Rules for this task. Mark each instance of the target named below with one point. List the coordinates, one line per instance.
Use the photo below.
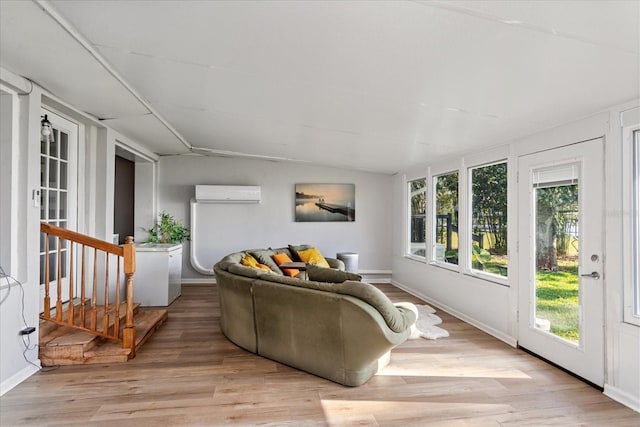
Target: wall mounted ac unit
(228, 193)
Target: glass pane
(418, 209)
(41, 269)
(62, 212)
(53, 173)
(557, 308)
(42, 239)
(43, 171)
(489, 219)
(446, 238)
(43, 146)
(64, 146)
(53, 205)
(53, 266)
(53, 145)
(63, 175)
(63, 260)
(43, 204)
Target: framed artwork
(325, 202)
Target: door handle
(593, 275)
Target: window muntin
(488, 243)
(417, 191)
(445, 238)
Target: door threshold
(555, 365)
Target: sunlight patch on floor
(374, 412)
(425, 370)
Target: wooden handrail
(103, 322)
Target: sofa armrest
(335, 263)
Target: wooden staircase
(64, 345)
(84, 332)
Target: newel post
(129, 332)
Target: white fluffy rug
(425, 326)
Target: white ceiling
(371, 85)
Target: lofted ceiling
(370, 85)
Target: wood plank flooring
(188, 373)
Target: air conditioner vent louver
(228, 193)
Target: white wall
(19, 307)
(227, 228)
(493, 307)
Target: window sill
(498, 280)
(446, 266)
(415, 258)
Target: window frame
(407, 248)
(468, 266)
(434, 212)
(631, 223)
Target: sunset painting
(325, 202)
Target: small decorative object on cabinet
(158, 276)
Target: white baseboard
(473, 322)
(17, 378)
(204, 281)
(375, 276)
(622, 397)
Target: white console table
(158, 276)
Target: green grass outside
(557, 299)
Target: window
(417, 217)
(488, 243)
(445, 245)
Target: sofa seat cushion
(397, 318)
(322, 274)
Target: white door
(58, 198)
(561, 294)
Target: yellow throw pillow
(249, 261)
(313, 256)
(281, 259)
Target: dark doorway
(125, 176)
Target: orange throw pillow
(281, 259)
(313, 256)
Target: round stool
(350, 260)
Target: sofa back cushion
(264, 257)
(397, 318)
(321, 274)
(230, 259)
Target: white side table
(350, 260)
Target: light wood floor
(189, 374)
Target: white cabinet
(157, 280)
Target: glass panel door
(58, 153)
(560, 270)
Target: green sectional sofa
(342, 331)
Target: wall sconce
(46, 130)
